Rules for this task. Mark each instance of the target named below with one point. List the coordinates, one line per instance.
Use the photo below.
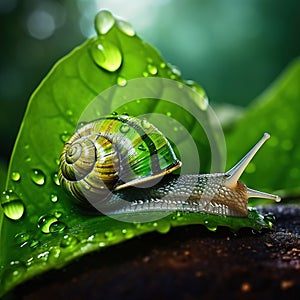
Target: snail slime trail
(107, 160)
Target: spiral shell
(112, 153)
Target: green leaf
(42, 229)
(276, 166)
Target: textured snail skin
(204, 193)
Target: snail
(123, 157)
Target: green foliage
(276, 166)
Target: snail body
(125, 164)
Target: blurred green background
(233, 48)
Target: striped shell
(112, 153)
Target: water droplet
(54, 254)
(142, 147)
(201, 99)
(34, 243)
(145, 74)
(58, 214)
(210, 225)
(104, 21)
(163, 226)
(69, 113)
(15, 176)
(55, 179)
(126, 27)
(102, 244)
(175, 70)
(128, 233)
(45, 222)
(69, 241)
(28, 159)
(163, 65)
(26, 147)
(65, 136)
(124, 128)
(145, 124)
(109, 235)
(114, 113)
(22, 238)
(168, 114)
(106, 55)
(57, 226)
(12, 205)
(152, 69)
(14, 272)
(121, 81)
(38, 177)
(53, 198)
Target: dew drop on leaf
(152, 69)
(15, 176)
(57, 226)
(69, 241)
(13, 206)
(53, 197)
(210, 225)
(124, 128)
(22, 238)
(121, 81)
(38, 177)
(126, 27)
(109, 235)
(145, 124)
(106, 55)
(45, 222)
(104, 21)
(141, 147)
(64, 137)
(55, 179)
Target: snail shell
(113, 153)
(111, 158)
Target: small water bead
(64, 137)
(28, 159)
(69, 241)
(54, 254)
(145, 124)
(142, 148)
(57, 214)
(152, 69)
(13, 206)
(57, 226)
(15, 176)
(121, 81)
(109, 235)
(45, 222)
(34, 243)
(212, 226)
(145, 74)
(124, 128)
(55, 179)
(126, 27)
(168, 114)
(22, 238)
(163, 226)
(104, 21)
(163, 65)
(106, 55)
(38, 177)
(128, 233)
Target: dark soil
(187, 263)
